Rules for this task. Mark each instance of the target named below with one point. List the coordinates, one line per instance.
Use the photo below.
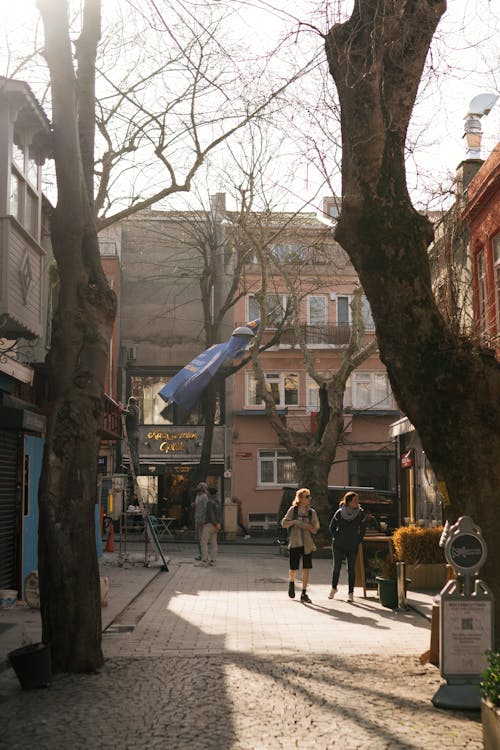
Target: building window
(481, 290)
(366, 312)
(312, 392)
(284, 388)
(372, 469)
(276, 308)
(343, 310)
(154, 410)
(275, 467)
(317, 310)
(496, 271)
(289, 253)
(25, 196)
(368, 390)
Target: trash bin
(230, 520)
(32, 665)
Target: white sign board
(467, 635)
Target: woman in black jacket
(347, 528)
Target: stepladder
(153, 548)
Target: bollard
(401, 582)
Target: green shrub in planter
(490, 684)
(415, 545)
(490, 702)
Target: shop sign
(407, 460)
(171, 442)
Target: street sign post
(466, 619)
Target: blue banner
(187, 385)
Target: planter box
(490, 719)
(427, 576)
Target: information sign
(468, 635)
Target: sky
(465, 62)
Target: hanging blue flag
(187, 385)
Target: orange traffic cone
(110, 544)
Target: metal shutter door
(8, 513)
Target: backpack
(295, 515)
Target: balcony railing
(112, 419)
(331, 334)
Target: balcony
(331, 334)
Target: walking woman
(347, 528)
(303, 522)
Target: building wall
(483, 214)
(162, 330)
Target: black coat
(346, 535)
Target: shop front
(168, 456)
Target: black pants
(338, 556)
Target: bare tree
(448, 388)
(69, 575)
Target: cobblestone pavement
(222, 659)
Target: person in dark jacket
(211, 525)
(347, 528)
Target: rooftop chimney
(479, 106)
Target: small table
(166, 523)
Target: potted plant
(490, 702)
(419, 549)
(387, 583)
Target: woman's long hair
(348, 497)
(299, 493)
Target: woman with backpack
(302, 522)
(347, 528)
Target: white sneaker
(350, 597)
(247, 536)
(332, 593)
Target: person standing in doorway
(211, 527)
(347, 528)
(240, 518)
(199, 513)
(302, 521)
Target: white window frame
(278, 378)
(347, 322)
(371, 380)
(481, 290)
(366, 312)
(254, 312)
(27, 214)
(273, 457)
(324, 300)
(496, 277)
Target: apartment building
(162, 328)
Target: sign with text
(468, 634)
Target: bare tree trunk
(448, 389)
(68, 567)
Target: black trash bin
(32, 665)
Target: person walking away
(131, 412)
(347, 528)
(199, 513)
(302, 521)
(240, 518)
(211, 527)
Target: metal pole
(401, 583)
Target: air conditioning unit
(131, 354)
